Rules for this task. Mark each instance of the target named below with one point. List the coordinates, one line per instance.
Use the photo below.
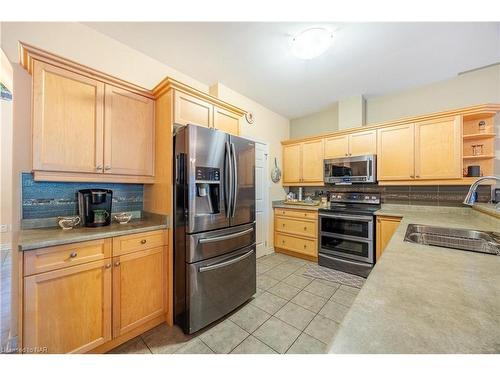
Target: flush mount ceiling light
(311, 43)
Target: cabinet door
(438, 149)
(395, 148)
(67, 120)
(138, 289)
(226, 121)
(68, 310)
(337, 147)
(191, 110)
(292, 163)
(129, 133)
(386, 226)
(312, 161)
(363, 143)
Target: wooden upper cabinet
(128, 133)
(337, 147)
(138, 289)
(292, 164)
(67, 120)
(312, 161)
(191, 110)
(363, 143)
(395, 148)
(438, 148)
(226, 121)
(68, 310)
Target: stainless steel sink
(460, 239)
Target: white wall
(268, 127)
(325, 121)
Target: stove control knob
(374, 197)
(367, 197)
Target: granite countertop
(30, 239)
(487, 208)
(424, 299)
(281, 204)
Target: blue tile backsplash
(42, 199)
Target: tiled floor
(290, 313)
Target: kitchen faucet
(469, 198)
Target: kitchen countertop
(30, 239)
(425, 299)
(487, 208)
(281, 204)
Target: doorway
(261, 198)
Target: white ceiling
(366, 58)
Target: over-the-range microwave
(351, 170)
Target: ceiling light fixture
(311, 43)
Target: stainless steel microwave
(351, 170)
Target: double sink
(459, 239)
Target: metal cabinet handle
(73, 254)
(108, 265)
(305, 246)
(412, 176)
(143, 242)
(99, 167)
(305, 228)
(117, 263)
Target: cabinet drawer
(299, 245)
(57, 257)
(296, 213)
(140, 241)
(297, 227)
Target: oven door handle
(348, 217)
(225, 264)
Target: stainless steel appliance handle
(228, 178)
(348, 217)
(224, 264)
(235, 180)
(226, 237)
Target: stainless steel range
(347, 232)
(214, 225)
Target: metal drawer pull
(143, 242)
(117, 263)
(108, 265)
(305, 228)
(224, 264)
(73, 254)
(226, 237)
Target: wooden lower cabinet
(296, 232)
(96, 305)
(138, 289)
(68, 310)
(385, 228)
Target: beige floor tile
(195, 346)
(164, 339)
(134, 346)
(306, 344)
(269, 302)
(343, 297)
(278, 273)
(295, 315)
(334, 311)
(249, 317)
(224, 337)
(265, 282)
(350, 289)
(322, 329)
(252, 345)
(277, 334)
(297, 281)
(320, 289)
(284, 291)
(309, 301)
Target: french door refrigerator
(214, 225)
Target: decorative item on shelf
(482, 126)
(68, 222)
(276, 172)
(477, 150)
(122, 217)
(249, 117)
(473, 171)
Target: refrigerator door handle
(228, 179)
(235, 180)
(226, 263)
(225, 237)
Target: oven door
(343, 247)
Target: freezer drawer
(217, 286)
(210, 244)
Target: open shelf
(479, 136)
(479, 157)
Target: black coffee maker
(94, 206)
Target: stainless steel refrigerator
(214, 225)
